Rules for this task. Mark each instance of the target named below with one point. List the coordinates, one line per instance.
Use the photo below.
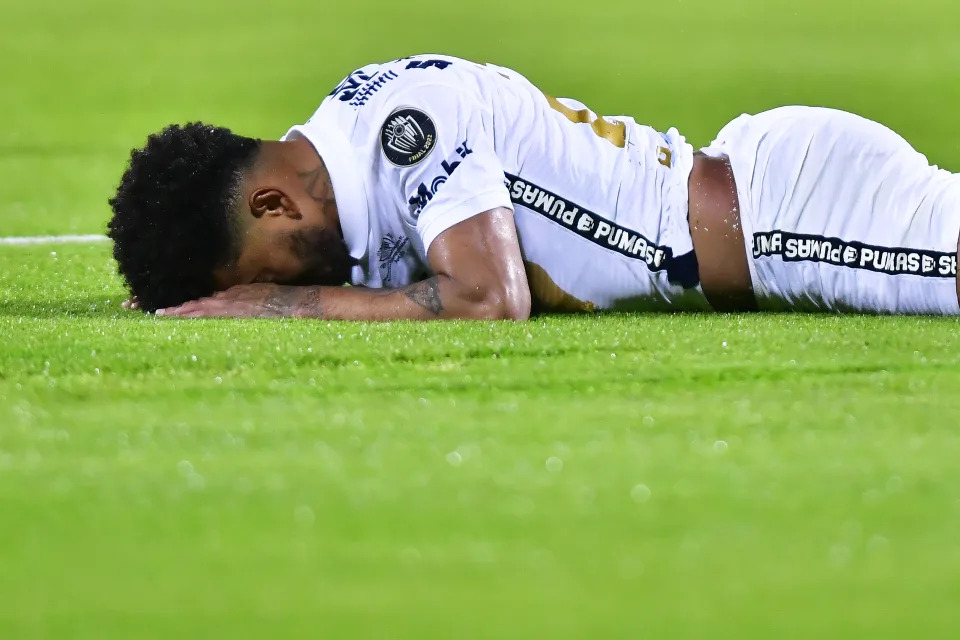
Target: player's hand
(260, 300)
(132, 304)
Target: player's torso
(600, 203)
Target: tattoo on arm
(426, 294)
(293, 302)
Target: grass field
(769, 476)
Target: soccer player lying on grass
(441, 188)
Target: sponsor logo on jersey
(407, 137)
(390, 253)
(681, 270)
(426, 192)
(798, 247)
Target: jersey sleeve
(437, 154)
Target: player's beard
(326, 260)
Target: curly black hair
(174, 212)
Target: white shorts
(840, 213)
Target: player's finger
(177, 311)
(186, 307)
(205, 308)
(209, 310)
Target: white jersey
(418, 145)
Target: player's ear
(269, 202)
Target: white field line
(19, 241)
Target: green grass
(692, 476)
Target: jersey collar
(347, 179)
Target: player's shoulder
(425, 75)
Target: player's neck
(298, 160)
(298, 153)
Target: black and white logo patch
(407, 137)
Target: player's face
(296, 256)
(296, 241)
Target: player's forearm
(436, 298)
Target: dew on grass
(851, 530)
(840, 555)
(243, 485)
(469, 451)
(554, 464)
(185, 467)
(481, 553)
(877, 544)
(276, 482)
(193, 358)
(640, 493)
(631, 566)
(62, 485)
(539, 558)
(410, 555)
(690, 546)
(586, 495)
(454, 459)
(196, 482)
(895, 484)
(303, 516)
(720, 446)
